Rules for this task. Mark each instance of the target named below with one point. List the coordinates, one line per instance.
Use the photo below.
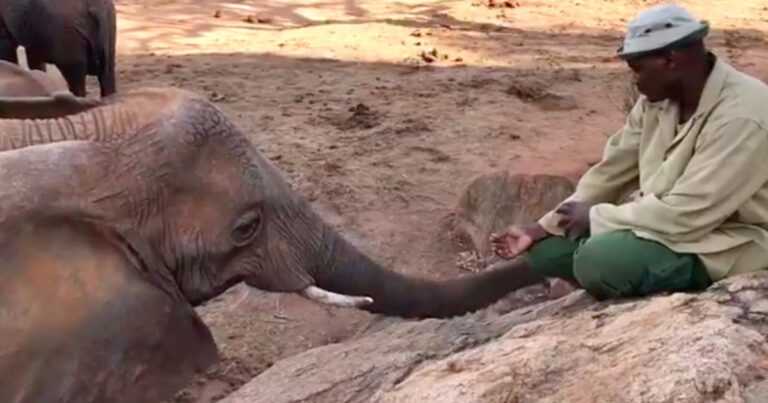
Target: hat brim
(642, 48)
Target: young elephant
(15, 81)
(78, 36)
(36, 94)
(117, 221)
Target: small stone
(454, 366)
(216, 97)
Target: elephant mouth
(326, 297)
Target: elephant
(77, 36)
(16, 81)
(119, 216)
(36, 94)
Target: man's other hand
(575, 218)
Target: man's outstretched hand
(516, 240)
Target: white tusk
(244, 294)
(322, 296)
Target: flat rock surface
(707, 347)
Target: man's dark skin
(679, 75)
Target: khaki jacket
(702, 189)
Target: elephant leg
(75, 75)
(105, 43)
(107, 83)
(8, 51)
(34, 61)
(8, 46)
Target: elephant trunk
(350, 272)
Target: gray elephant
(16, 81)
(115, 222)
(77, 36)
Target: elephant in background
(116, 221)
(36, 94)
(77, 36)
(16, 81)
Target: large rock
(495, 201)
(707, 347)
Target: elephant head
(187, 202)
(214, 212)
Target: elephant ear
(82, 322)
(57, 105)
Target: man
(695, 149)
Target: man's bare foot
(559, 288)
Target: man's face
(654, 76)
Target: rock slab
(688, 348)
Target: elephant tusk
(322, 296)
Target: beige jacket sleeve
(608, 179)
(727, 169)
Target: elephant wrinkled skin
(116, 221)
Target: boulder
(497, 200)
(493, 202)
(680, 347)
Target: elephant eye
(246, 228)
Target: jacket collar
(714, 87)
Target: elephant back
(15, 81)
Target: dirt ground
(382, 112)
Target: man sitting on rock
(695, 150)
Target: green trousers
(618, 264)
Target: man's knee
(553, 257)
(609, 265)
(619, 264)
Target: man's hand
(516, 240)
(575, 219)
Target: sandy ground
(381, 112)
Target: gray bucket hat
(659, 28)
